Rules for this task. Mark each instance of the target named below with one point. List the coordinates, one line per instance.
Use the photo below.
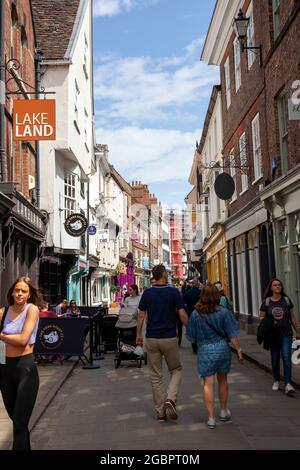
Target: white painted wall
(72, 151)
(212, 152)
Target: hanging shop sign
(294, 110)
(34, 120)
(103, 236)
(224, 186)
(92, 230)
(76, 225)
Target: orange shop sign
(34, 120)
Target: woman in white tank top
(19, 381)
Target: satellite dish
(224, 186)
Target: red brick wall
(282, 70)
(259, 89)
(24, 160)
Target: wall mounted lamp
(241, 25)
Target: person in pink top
(19, 380)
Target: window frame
(283, 122)
(257, 156)
(237, 64)
(243, 159)
(227, 82)
(251, 36)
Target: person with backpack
(280, 308)
(224, 300)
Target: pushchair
(127, 349)
(108, 332)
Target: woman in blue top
(213, 327)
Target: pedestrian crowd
(211, 327)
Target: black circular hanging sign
(224, 186)
(76, 225)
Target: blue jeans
(284, 347)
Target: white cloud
(135, 88)
(114, 7)
(145, 109)
(150, 155)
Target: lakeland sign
(34, 120)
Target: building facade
(68, 161)
(248, 229)
(22, 223)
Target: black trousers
(19, 383)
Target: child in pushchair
(127, 350)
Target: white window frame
(237, 64)
(69, 194)
(276, 18)
(243, 160)
(233, 175)
(227, 82)
(257, 159)
(216, 136)
(250, 36)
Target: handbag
(3, 318)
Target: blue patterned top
(210, 328)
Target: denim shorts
(213, 358)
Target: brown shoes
(171, 409)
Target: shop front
(216, 260)
(282, 200)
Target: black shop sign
(60, 336)
(76, 225)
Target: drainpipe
(2, 90)
(87, 269)
(38, 59)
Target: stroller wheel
(139, 363)
(117, 363)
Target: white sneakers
(275, 386)
(289, 389)
(225, 415)
(211, 423)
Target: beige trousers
(156, 349)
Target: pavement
(258, 355)
(112, 409)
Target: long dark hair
(209, 300)
(269, 293)
(135, 288)
(35, 296)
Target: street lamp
(241, 25)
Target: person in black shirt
(280, 307)
(160, 303)
(191, 298)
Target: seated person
(73, 310)
(61, 308)
(45, 312)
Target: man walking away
(191, 298)
(160, 303)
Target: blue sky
(151, 90)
